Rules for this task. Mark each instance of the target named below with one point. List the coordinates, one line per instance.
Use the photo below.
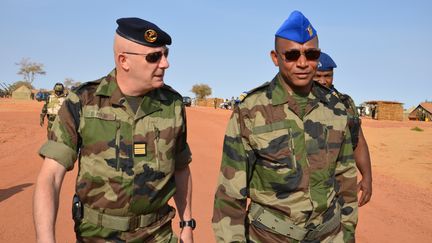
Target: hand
(186, 235)
(365, 186)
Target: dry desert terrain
(400, 209)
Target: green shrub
(417, 129)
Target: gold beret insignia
(309, 30)
(150, 36)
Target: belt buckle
(310, 234)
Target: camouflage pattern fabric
(126, 160)
(51, 108)
(299, 169)
(354, 121)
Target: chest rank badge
(150, 36)
(140, 149)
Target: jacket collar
(279, 95)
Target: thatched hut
(386, 110)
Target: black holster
(77, 212)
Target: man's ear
(274, 57)
(122, 62)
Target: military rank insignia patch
(243, 95)
(150, 36)
(140, 149)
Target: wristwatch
(191, 223)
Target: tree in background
(70, 83)
(201, 90)
(30, 69)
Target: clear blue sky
(382, 48)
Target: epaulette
(171, 89)
(264, 85)
(84, 86)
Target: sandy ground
(400, 210)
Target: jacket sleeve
(229, 211)
(63, 139)
(346, 177)
(183, 155)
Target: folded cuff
(59, 152)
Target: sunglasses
(294, 55)
(152, 57)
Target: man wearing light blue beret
(324, 76)
(288, 151)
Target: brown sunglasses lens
(156, 56)
(310, 55)
(292, 55)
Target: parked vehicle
(42, 96)
(187, 101)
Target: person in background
(324, 76)
(52, 105)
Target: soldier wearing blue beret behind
(288, 150)
(128, 132)
(324, 76)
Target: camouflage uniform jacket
(126, 160)
(297, 168)
(354, 121)
(53, 104)
(51, 107)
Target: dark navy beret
(142, 32)
(325, 63)
(296, 28)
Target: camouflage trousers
(158, 232)
(51, 119)
(261, 234)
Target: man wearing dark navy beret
(288, 150)
(324, 76)
(127, 131)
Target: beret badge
(309, 30)
(150, 35)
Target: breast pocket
(274, 146)
(160, 138)
(100, 133)
(164, 144)
(335, 139)
(323, 142)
